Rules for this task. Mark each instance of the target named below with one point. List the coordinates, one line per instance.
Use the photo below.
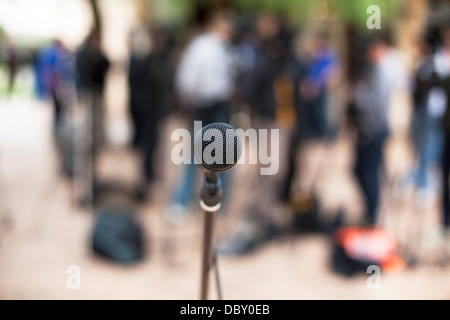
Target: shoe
(246, 238)
(435, 238)
(176, 214)
(424, 199)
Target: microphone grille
(218, 147)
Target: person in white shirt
(204, 77)
(205, 85)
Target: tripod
(210, 202)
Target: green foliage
(355, 11)
(295, 11)
(350, 11)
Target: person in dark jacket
(427, 120)
(150, 79)
(91, 66)
(444, 73)
(372, 96)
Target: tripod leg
(216, 271)
(208, 247)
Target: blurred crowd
(230, 65)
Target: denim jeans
(367, 170)
(445, 182)
(428, 138)
(184, 193)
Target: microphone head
(217, 147)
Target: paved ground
(43, 233)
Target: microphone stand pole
(210, 201)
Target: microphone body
(217, 148)
(211, 193)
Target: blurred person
(163, 74)
(371, 98)
(12, 64)
(56, 70)
(318, 70)
(298, 133)
(53, 70)
(244, 59)
(261, 219)
(442, 64)
(144, 112)
(140, 84)
(164, 70)
(314, 73)
(92, 66)
(204, 84)
(150, 83)
(429, 108)
(37, 67)
(269, 52)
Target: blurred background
(91, 91)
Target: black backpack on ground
(117, 236)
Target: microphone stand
(210, 202)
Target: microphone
(217, 148)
